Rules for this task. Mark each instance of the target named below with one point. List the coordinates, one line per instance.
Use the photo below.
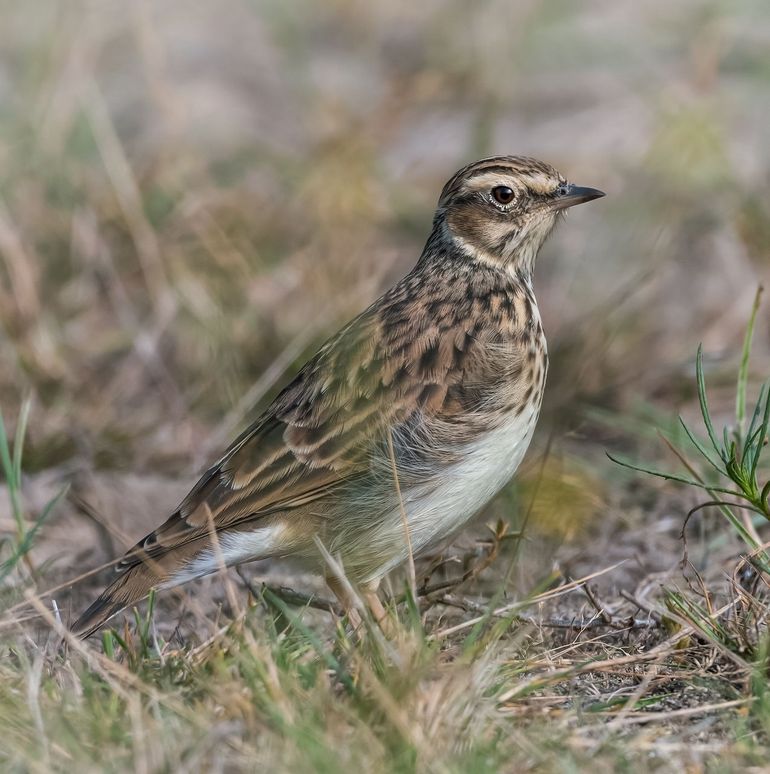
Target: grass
(738, 625)
(18, 546)
(190, 203)
(268, 686)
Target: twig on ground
(660, 717)
(291, 597)
(654, 614)
(604, 615)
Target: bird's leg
(369, 593)
(346, 599)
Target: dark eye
(502, 194)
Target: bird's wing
(319, 432)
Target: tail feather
(140, 571)
(132, 586)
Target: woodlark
(402, 426)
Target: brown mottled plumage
(443, 375)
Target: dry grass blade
(411, 576)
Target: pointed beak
(569, 195)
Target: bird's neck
(444, 247)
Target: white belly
(436, 511)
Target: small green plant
(733, 454)
(737, 626)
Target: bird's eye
(502, 194)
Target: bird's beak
(570, 195)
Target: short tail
(130, 587)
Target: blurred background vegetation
(194, 195)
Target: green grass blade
(18, 441)
(12, 480)
(25, 544)
(704, 408)
(702, 449)
(413, 612)
(9, 473)
(743, 371)
(763, 498)
(674, 477)
(5, 454)
(757, 410)
(762, 434)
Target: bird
(403, 425)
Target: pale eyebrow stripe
(487, 179)
(538, 182)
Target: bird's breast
(481, 468)
(440, 504)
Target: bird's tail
(130, 587)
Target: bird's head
(501, 209)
